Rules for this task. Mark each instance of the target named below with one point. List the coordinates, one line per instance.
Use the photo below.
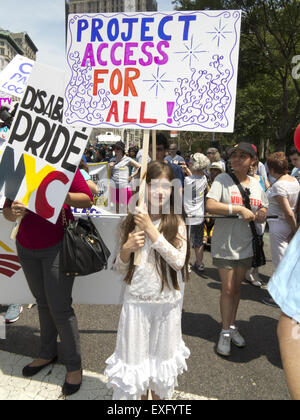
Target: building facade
(12, 44)
(109, 6)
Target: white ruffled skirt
(150, 352)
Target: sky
(44, 21)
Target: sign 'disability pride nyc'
(41, 155)
(167, 71)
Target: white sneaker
(224, 344)
(236, 338)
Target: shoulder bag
(259, 258)
(83, 250)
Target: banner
(41, 155)
(14, 77)
(155, 70)
(105, 287)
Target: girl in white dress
(150, 352)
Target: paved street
(251, 373)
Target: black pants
(53, 293)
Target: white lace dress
(150, 352)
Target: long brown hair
(168, 227)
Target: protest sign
(14, 77)
(104, 287)
(41, 155)
(167, 71)
(99, 173)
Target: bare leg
(230, 296)
(239, 277)
(288, 332)
(199, 254)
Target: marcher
(150, 352)
(252, 275)
(214, 169)
(121, 192)
(39, 245)
(214, 156)
(162, 147)
(232, 249)
(84, 169)
(284, 289)
(283, 198)
(294, 156)
(195, 185)
(173, 157)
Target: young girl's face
(159, 192)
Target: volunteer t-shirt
(120, 172)
(232, 238)
(194, 190)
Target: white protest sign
(105, 287)
(41, 155)
(14, 77)
(99, 173)
(156, 70)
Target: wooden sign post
(142, 190)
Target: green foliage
(268, 97)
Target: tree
(268, 98)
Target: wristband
(230, 208)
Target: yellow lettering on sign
(5, 247)
(33, 179)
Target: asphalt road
(253, 373)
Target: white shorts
(150, 352)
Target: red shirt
(36, 232)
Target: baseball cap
(244, 147)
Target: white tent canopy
(108, 138)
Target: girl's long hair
(168, 227)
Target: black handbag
(259, 257)
(83, 250)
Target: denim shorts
(284, 286)
(196, 235)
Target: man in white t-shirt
(294, 156)
(195, 185)
(173, 157)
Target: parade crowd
(228, 202)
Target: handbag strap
(64, 217)
(245, 193)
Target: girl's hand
(135, 241)
(18, 209)
(142, 219)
